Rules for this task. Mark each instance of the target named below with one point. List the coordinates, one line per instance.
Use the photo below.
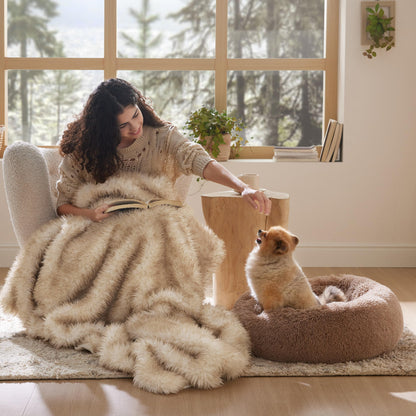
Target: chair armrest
(26, 182)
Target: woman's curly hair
(94, 136)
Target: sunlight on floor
(408, 309)
(304, 384)
(409, 396)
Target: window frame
(220, 64)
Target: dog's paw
(258, 309)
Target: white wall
(361, 212)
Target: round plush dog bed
(368, 324)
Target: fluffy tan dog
(276, 279)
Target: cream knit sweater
(159, 151)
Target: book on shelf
(329, 134)
(337, 142)
(309, 153)
(121, 204)
(332, 141)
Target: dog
(275, 278)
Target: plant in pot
(218, 133)
(379, 28)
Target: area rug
(23, 358)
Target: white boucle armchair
(30, 174)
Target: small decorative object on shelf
(378, 26)
(218, 132)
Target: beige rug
(22, 358)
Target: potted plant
(379, 28)
(218, 133)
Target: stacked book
(285, 154)
(332, 145)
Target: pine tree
(284, 107)
(28, 25)
(307, 42)
(144, 41)
(56, 95)
(63, 89)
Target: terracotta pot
(225, 148)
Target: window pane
(166, 29)
(59, 28)
(276, 29)
(174, 94)
(281, 108)
(42, 103)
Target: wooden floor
(392, 396)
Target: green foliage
(39, 100)
(379, 28)
(208, 122)
(28, 24)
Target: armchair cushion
(26, 180)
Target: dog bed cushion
(368, 324)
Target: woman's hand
(97, 214)
(257, 199)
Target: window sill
(266, 154)
(255, 152)
(277, 162)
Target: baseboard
(8, 253)
(356, 255)
(316, 255)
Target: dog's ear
(281, 247)
(295, 240)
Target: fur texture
(130, 289)
(275, 278)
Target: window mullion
(110, 39)
(54, 63)
(276, 64)
(3, 80)
(168, 64)
(221, 22)
(331, 58)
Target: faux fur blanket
(130, 289)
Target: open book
(121, 204)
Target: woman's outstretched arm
(217, 173)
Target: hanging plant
(379, 28)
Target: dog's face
(276, 241)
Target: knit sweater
(159, 151)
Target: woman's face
(130, 123)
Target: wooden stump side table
(234, 221)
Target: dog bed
(368, 324)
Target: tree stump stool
(234, 221)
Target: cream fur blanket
(131, 290)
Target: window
(272, 63)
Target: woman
(119, 131)
(130, 287)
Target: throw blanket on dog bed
(130, 289)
